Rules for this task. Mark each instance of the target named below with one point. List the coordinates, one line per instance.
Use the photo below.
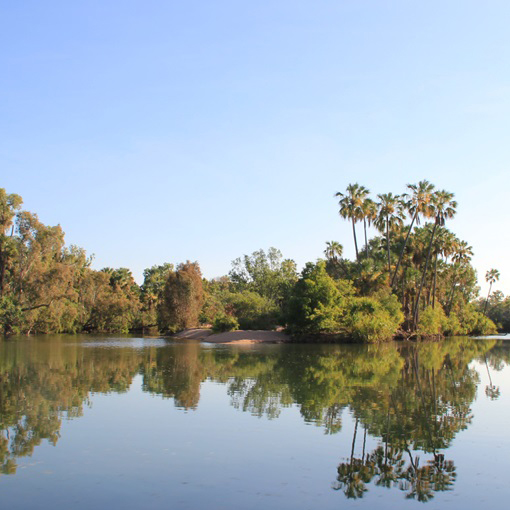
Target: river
(124, 422)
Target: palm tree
(462, 254)
(491, 276)
(443, 207)
(333, 250)
(389, 216)
(418, 204)
(351, 207)
(369, 214)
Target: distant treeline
(412, 279)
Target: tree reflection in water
(412, 399)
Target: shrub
(475, 322)
(369, 320)
(225, 323)
(432, 321)
(453, 326)
(253, 311)
(318, 302)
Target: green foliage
(373, 319)
(48, 287)
(432, 321)
(265, 274)
(475, 322)
(154, 280)
(498, 310)
(318, 302)
(452, 326)
(216, 293)
(11, 316)
(225, 323)
(252, 310)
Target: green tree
(417, 204)
(317, 301)
(351, 207)
(491, 277)
(389, 217)
(333, 250)
(443, 207)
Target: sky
(160, 131)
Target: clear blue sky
(158, 131)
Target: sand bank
(233, 337)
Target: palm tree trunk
(434, 285)
(404, 289)
(355, 240)
(388, 243)
(365, 441)
(354, 440)
(417, 304)
(450, 301)
(366, 241)
(487, 300)
(403, 249)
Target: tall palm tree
(443, 207)
(418, 203)
(333, 250)
(369, 214)
(461, 256)
(389, 216)
(491, 276)
(351, 207)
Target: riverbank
(233, 337)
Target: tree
(333, 251)
(491, 276)
(443, 207)
(389, 216)
(183, 298)
(267, 274)
(351, 207)
(369, 214)
(417, 205)
(154, 280)
(9, 204)
(317, 301)
(462, 254)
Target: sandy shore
(233, 337)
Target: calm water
(92, 422)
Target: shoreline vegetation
(413, 280)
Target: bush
(318, 302)
(369, 320)
(253, 311)
(475, 322)
(453, 326)
(225, 323)
(432, 321)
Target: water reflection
(407, 401)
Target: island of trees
(415, 279)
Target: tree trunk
(487, 300)
(388, 244)
(450, 301)
(355, 240)
(417, 304)
(403, 249)
(434, 285)
(366, 241)
(354, 440)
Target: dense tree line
(415, 278)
